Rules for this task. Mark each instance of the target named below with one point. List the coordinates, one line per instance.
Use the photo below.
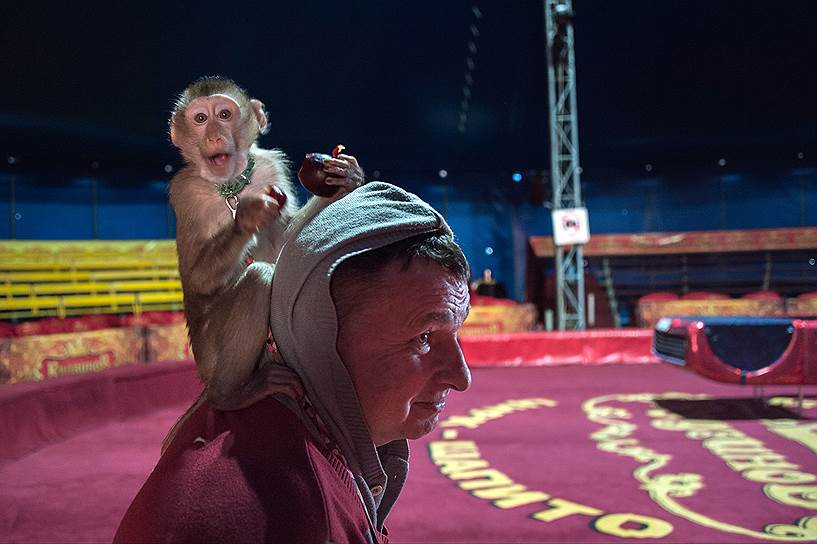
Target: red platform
(745, 350)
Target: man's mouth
(219, 159)
(435, 405)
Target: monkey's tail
(168, 439)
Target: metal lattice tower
(564, 156)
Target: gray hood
(304, 322)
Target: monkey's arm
(210, 264)
(212, 258)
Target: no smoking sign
(570, 227)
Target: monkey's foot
(268, 380)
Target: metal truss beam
(564, 157)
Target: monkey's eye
(200, 118)
(225, 114)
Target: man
(487, 286)
(369, 296)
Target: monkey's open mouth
(219, 159)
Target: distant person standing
(488, 286)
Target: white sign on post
(570, 227)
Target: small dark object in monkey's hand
(313, 176)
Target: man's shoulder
(291, 465)
(253, 472)
(266, 437)
(271, 438)
(264, 445)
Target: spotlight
(443, 173)
(12, 159)
(516, 177)
(564, 15)
(489, 250)
(168, 168)
(721, 162)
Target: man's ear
(260, 115)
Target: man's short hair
(363, 270)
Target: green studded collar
(231, 189)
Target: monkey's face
(214, 135)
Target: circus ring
(564, 437)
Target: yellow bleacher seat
(91, 264)
(92, 287)
(63, 306)
(60, 278)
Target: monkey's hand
(254, 212)
(344, 171)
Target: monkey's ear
(260, 115)
(173, 137)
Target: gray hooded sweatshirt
(304, 323)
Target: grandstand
(61, 279)
(731, 272)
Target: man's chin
(423, 427)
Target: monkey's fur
(213, 246)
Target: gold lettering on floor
(461, 461)
(746, 455)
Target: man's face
(398, 340)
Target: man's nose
(456, 372)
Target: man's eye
(225, 114)
(423, 338)
(200, 118)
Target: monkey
(233, 203)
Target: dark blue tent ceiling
(678, 82)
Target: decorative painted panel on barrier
(72, 251)
(54, 355)
(650, 312)
(167, 342)
(39, 357)
(802, 307)
(499, 319)
(664, 243)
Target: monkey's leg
(244, 367)
(238, 325)
(270, 377)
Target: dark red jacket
(251, 475)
